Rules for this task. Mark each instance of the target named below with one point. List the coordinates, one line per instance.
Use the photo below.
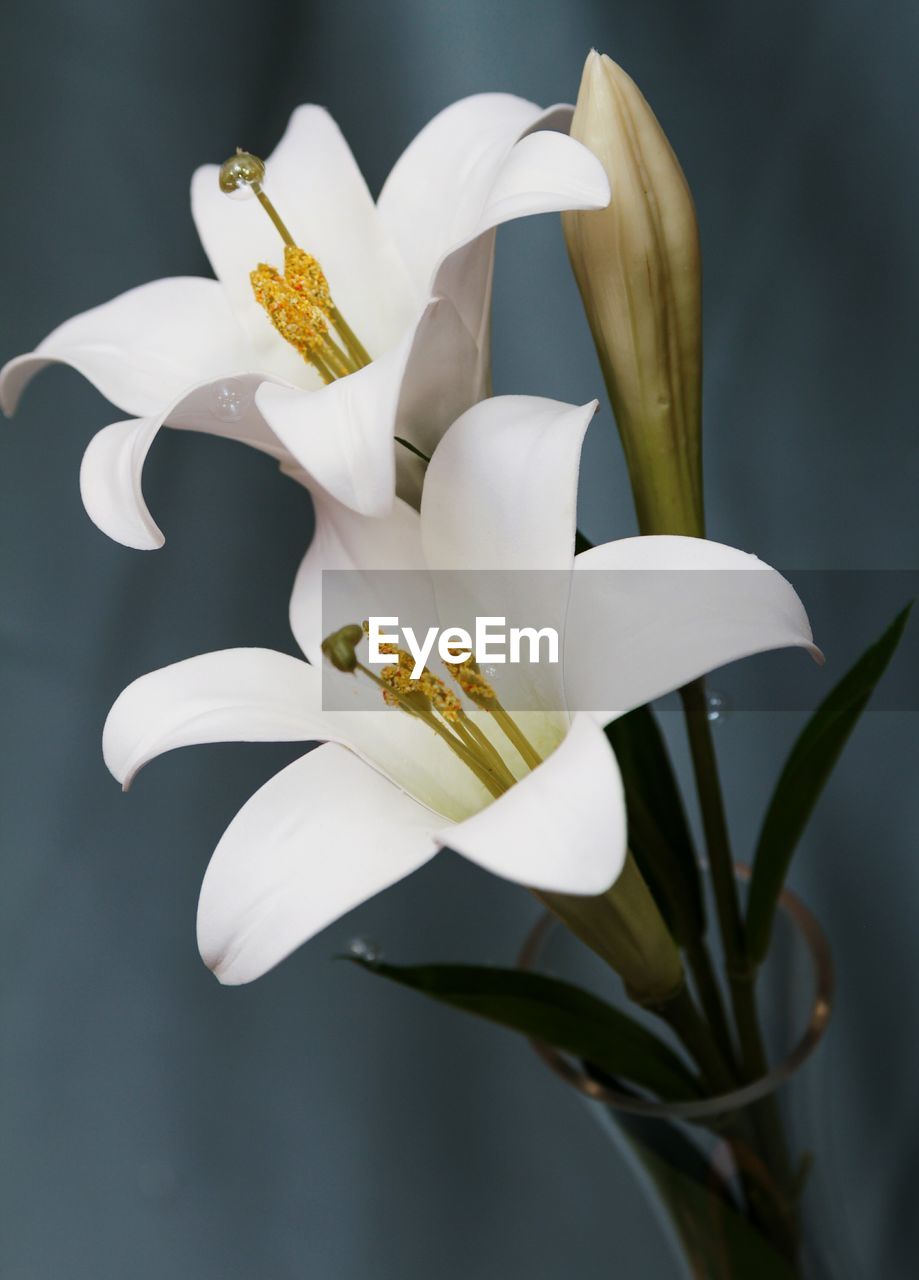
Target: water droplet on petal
(230, 400)
(363, 949)
(718, 706)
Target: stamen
(426, 699)
(393, 683)
(301, 305)
(477, 689)
(470, 731)
(296, 319)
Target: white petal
(323, 600)
(562, 828)
(257, 695)
(318, 190)
(236, 695)
(478, 164)
(112, 468)
(443, 377)
(342, 435)
(144, 348)
(110, 483)
(322, 836)
(434, 196)
(545, 172)
(665, 610)
(346, 541)
(501, 488)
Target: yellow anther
(430, 688)
(443, 700)
(297, 319)
(304, 274)
(470, 679)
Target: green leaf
(807, 769)
(554, 1013)
(659, 834)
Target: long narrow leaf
(798, 788)
(659, 834)
(555, 1013)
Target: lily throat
(431, 701)
(297, 301)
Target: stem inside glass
(814, 945)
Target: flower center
(429, 699)
(298, 302)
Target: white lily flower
(412, 273)
(539, 802)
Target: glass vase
(741, 1184)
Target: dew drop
(230, 400)
(718, 706)
(364, 949)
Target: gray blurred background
(320, 1123)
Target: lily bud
(637, 264)
(625, 927)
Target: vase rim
(818, 948)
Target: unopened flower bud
(637, 264)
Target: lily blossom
(270, 360)
(539, 802)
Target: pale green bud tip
(637, 264)
(340, 648)
(242, 170)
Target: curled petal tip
(14, 376)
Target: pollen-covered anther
(304, 274)
(427, 688)
(399, 689)
(470, 679)
(298, 320)
(443, 700)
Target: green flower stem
(625, 928)
(741, 976)
(680, 1013)
(709, 992)
(765, 1113)
(768, 1201)
(714, 823)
